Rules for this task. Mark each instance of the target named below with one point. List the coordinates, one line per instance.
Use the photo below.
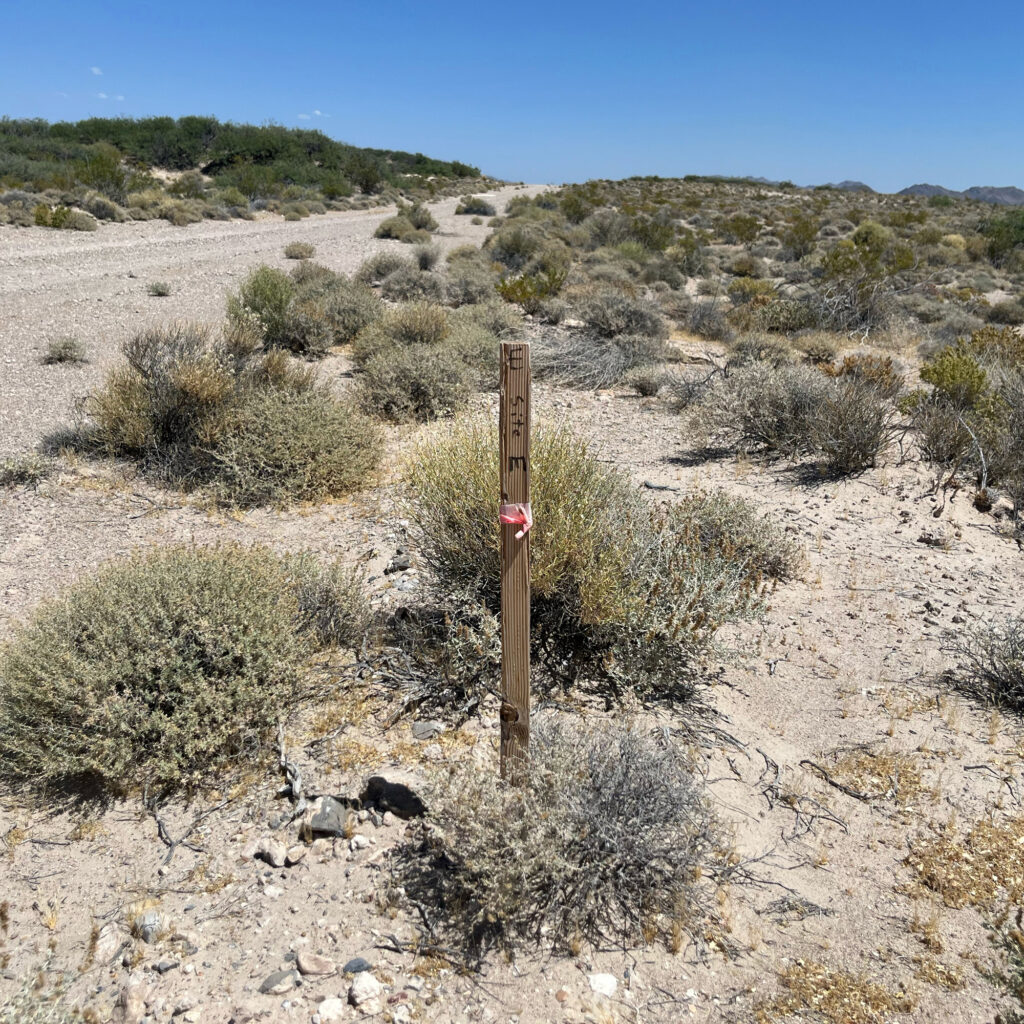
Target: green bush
(606, 843)
(64, 350)
(475, 205)
(415, 383)
(280, 446)
(299, 251)
(415, 323)
(1010, 312)
(159, 289)
(956, 376)
(398, 228)
(624, 595)
(265, 294)
(609, 313)
(248, 426)
(159, 671)
(379, 266)
(409, 284)
(531, 290)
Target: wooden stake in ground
(516, 519)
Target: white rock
(332, 1010)
(603, 984)
(358, 842)
(309, 962)
(365, 992)
(272, 851)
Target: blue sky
(888, 93)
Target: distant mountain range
(1008, 195)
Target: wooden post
(516, 518)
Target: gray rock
(392, 796)
(279, 982)
(163, 966)
(427, 730)
(148, 925)
(330, 819)
(357, 965)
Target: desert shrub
(24, 470)
(990, 662)
(159, 289)
(79, 220)
(646, 381)
(605, 843)
(279, 446)
(398, 228)
(476, 205)
(426, 256)
(1009, 312)
(582, 362)
(607, 227)
(761, 407)
(222, 415)
(818, 348)
(64, 350)
(415, 323)
(156, 671)
(748, 265)
(103, 208)
(409, 284)
(531, 290)
(417, 236)
(744, 289)
(468, 283)
(415, 382)
(265, 294)
(299, 251)
(610, 313)
(880, 372)
(379, 266)
(306, 273)
(759, 348)
(707, 319)
(514, 244)
(418, 216)
(852, 426)
(498, 318)
(624, 595)
(956, 376)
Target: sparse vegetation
(990, 663)
(299, 251)
(64, 350)
(159, 289)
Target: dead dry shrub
(625, 596)
(24, 470)
(852, 426)
(990, 663)
(159, 669)
(607, 843)
(760, 407)
(879, 372)
(574, 360)
(760, 348)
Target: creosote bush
(990, 663)
(606, 844)
(625, 596)
(610, 313)
(164, 667)
(250, 427)
(307, 312)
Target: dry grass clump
(604, 844)
(307, 312)
(575, 360)
(218, 413)
(882, 775)
(832, 996)
(990, 662)
(24, 470)
(164, 666)
(624, 595)
(159, 289)
(64, 350)
(36, 1003)
(299, 251)
(974, 869)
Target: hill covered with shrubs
(189, 168)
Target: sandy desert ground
(842, 674)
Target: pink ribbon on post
(516, 515)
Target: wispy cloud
(303, 117)
(320, 113)
(101, 95)
(118, 97)
(95, 70)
